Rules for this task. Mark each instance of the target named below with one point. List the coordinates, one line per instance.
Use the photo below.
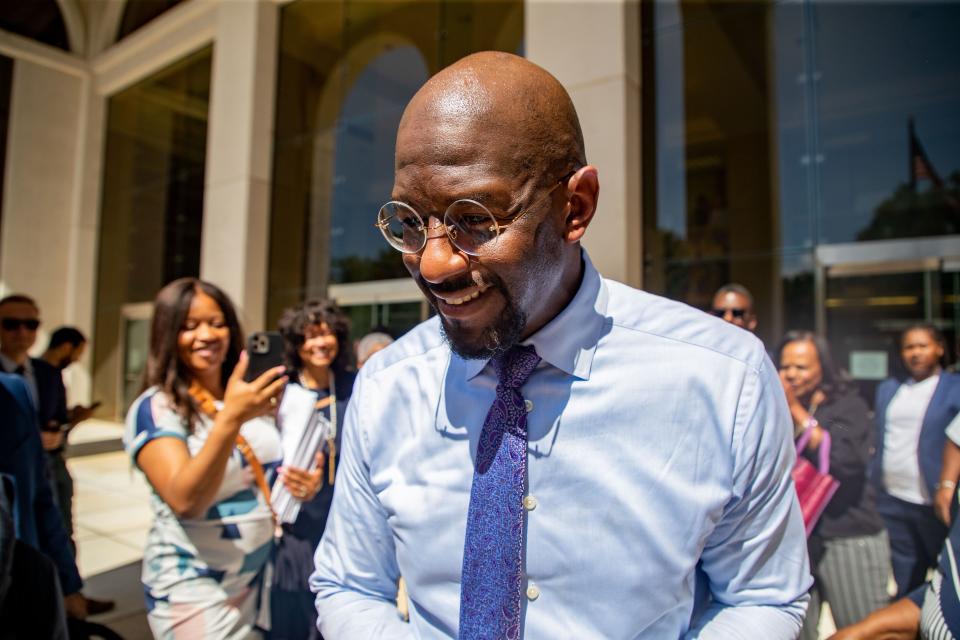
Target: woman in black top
(315, 339)
(849, 551)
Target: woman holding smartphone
(315, 336)
(207, 442)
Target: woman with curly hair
(317, 354)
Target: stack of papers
(303, 431)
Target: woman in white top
(911, 418)
(206, 553)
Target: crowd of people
(897, 471)
(552, 455)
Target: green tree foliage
(911, 214)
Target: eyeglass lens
(469, 225)
(402, 227)
(12, 324)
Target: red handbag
(815, 485)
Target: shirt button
(529, 405)
(529, 503)
(533, 591)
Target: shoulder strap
(258, 474)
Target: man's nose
(728, 315)
(439, 259)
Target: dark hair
(164, 368)
(63, 335)
(835, 379)
(20, 299)
(931, 330)
(294, 322)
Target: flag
(920, 165)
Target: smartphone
(264, 352)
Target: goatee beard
(505, 332)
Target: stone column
(593, 48)
(236, 215)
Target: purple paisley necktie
(492, 581)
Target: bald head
(495, 108)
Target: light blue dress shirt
(658, 436)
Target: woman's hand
(304, 485)
(244, 401)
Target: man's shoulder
(410, 349)
(15, 387)
(951, 378)
(654, 317)
(889, 384)
(45, 373)
(15, 406)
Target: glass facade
(346, 70)
(151, 212)
(802, 149)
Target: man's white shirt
(658, 437)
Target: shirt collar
(569, 341)
(10, 366)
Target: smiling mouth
(463, 299)
(206, 351)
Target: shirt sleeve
(52, 535)
(356, 572)
(756, 558)
(149, 418)
(62, 415)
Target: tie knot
(514, 367)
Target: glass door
(135, 338)
(865, 301)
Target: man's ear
(583, 191)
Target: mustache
(459, 284)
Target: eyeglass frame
(424, 229)
(15, 324)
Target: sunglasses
(736, 313)
(12, 324)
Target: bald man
(553, 454)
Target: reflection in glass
(395, 318)
(711, 215)
(152, 203)
(767, 133)
(346, 70)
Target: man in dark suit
(36, 521)
(19, 321)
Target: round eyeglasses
(468, 224)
